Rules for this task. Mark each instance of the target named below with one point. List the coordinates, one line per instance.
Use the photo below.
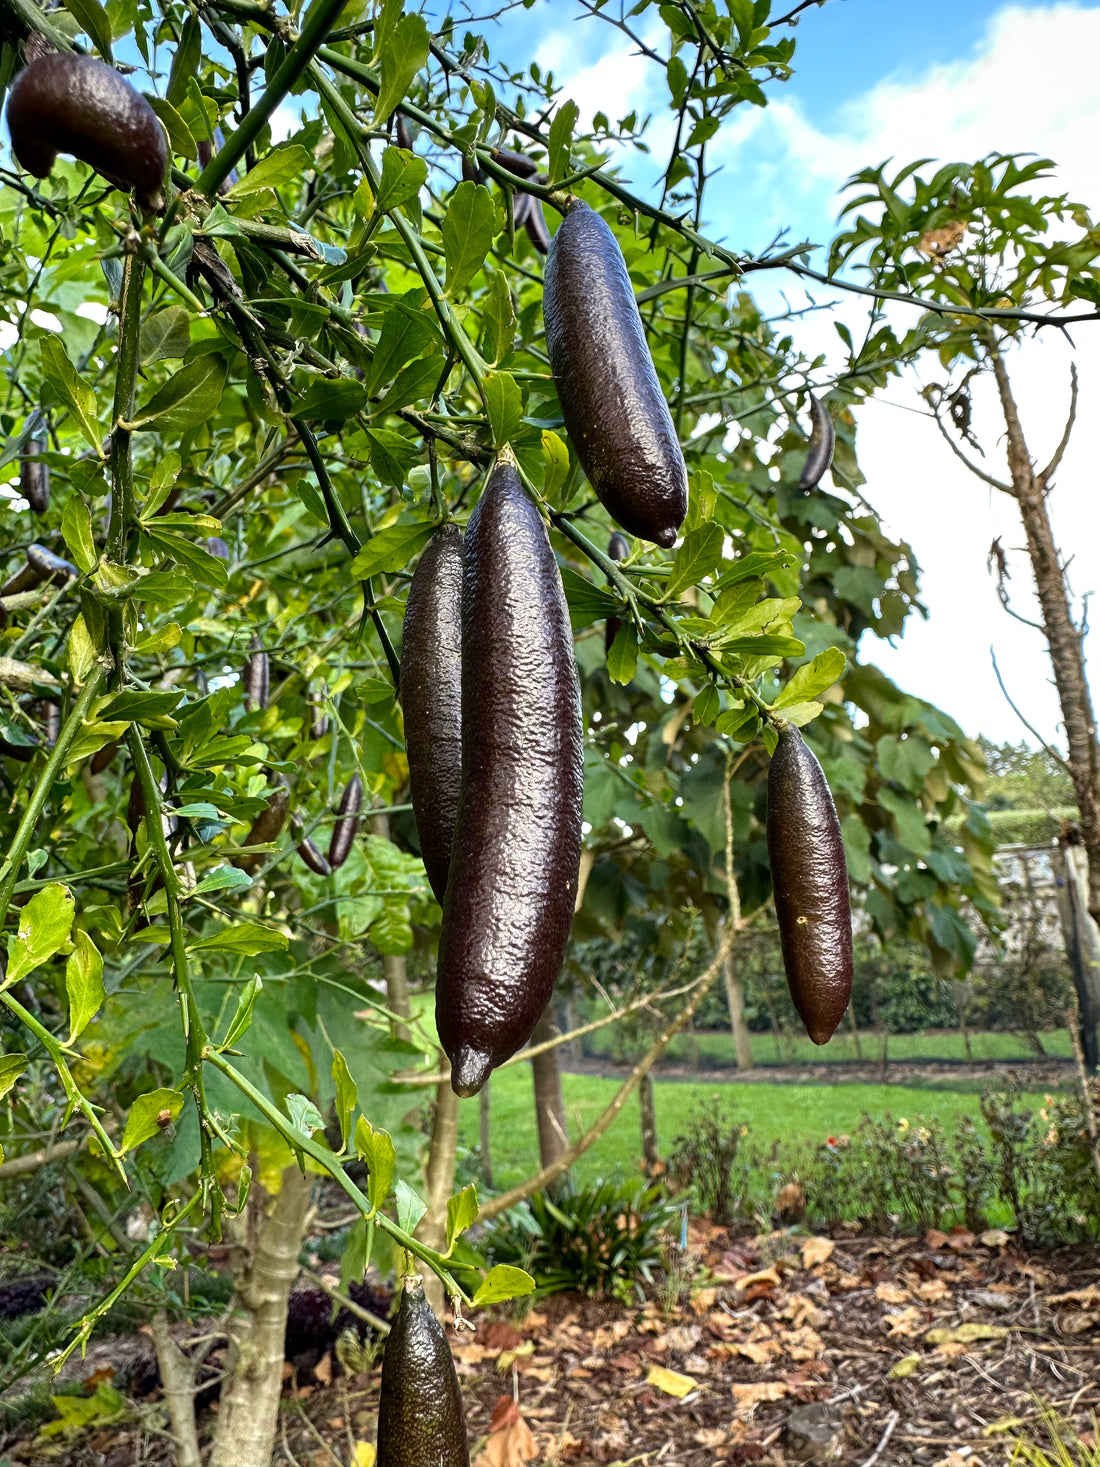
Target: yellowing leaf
(966, 1334)
(903, 1368)
(365, 1455)
(670, 1381)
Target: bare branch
(1060, 450)
(1054, 754)
(957, 451)
(24, 677)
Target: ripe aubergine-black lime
(421, 1422)
(610, 395)
(431, 698)
(308, 851)
(535, 225)
(347, 823)
(266, 827)
(34, 474)
(41, 565)
(618, 548)
(78, 105)
(513, 876)
(810, 886)
(822, 442)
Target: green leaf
(83, 984)
(587, 603)
(392, 455)
(180, 137)
(814, 678)
(555, 458)
(304, 1115)
(332, 400)
(622, 659)
(92, 20)
(188, 398)
(248, 938)
(78, 397)
(697, 557)
(461, 1214)
(504, 404)
(223, 878)
(242, 1019)
(204, 567)
(376, 1150)
(347, 1095)
(11, 1067)
(82, 651)
(44, 926)
(185, 62)
(76, 526)
(405, 52)
(561, 139)
(92, 737)
(801, 714)
(281, 166)
(706, 707)
(391, 549)
(165, 334)
(702, 497)
(403, 176)
(149, 1115)
(503, 1282)
(410, 1207)
(137, 706)
(498, 321)
(406, 333)
(470, 225)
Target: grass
(715, 1047)
(779, 1112)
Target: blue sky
(876, 79)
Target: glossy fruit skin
(76, 104)
(402, 134)
(34, 476)
(517, 163)
(308, 851)
(810, 886)
(266, 827)
(347, 823)
(513, 877)
(611, 399)
(535, 225)
(421, 1422)
(822, 443)
(431, 698)
(41, 565)
(256, 677)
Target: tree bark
(549, 1099)
(735, 998)
(439, 1178)
(651, 1156)
(178, 1381)
(394, 967)
(249, 1409)
(1065, 644)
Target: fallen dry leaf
(710, 1436)
(994, 1238)
(1084, 1297)
(760, 1352)
(751, 1394)
(323, 1369)
(671, 1381)
(906, 1322)
(892, 1294)
(816, 1250)
(932, 1290)
(510, 1443)
(768, 1277)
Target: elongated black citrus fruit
(810, 886)
(431, 698)
(610, 395)
(421, 1422)
(347, 823)
(41, 565)
(308, 851)
(266, 827)
(78, 105)
(535, 225)
(34, 474)
(513, 875)
(822, 442)
(618, 548)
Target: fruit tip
(666, 538)
(470, 1069)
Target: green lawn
(771, 1112)
(715, 1047)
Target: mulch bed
(784, 1349)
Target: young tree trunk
(394, 968)
(855, 1030)
(485, 1132)
(439, 1179)
(549, 1100)
(735, 998)
(178, 1383)
(651, 1157)
(1065, 643)
(249, 1409)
